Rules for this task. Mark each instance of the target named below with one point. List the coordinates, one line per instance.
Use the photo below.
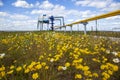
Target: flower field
(58, 56)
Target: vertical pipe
(60, 23)
(85, 23)
(92, 28)
(71, 28)
(38, 25)
(96, 26)
(60, 28)
(65, 28)
(78, 26)
(85, 29)
(42, 25)
(63, 21)
(47, 26)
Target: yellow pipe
(110, 14)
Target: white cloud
(86, 14)
(82, 3)
(1, 3)
(14, 16)
(70, 20)
(36, 11)
(104, 5)
(112, 7)
(24, 23)
(98, 4)
(16, 22)
(3, 14)
(22, 3)
(93, 3)
(19, 17)
(48, 8)
(46, 5)
(59, 7)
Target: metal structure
(85, 21)
(60, 18)
(49, 20)
(42, 21)
(52, 22)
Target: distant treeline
(95, 33)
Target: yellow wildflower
(2, 74)
(46, 67)
(59, 68)
(27, 70)
(78, 76)
(43, 63)
(30, 67)
(67, 64)
(85, 68)
(106, 76)
(10, 72)
(24, 66)
(41, 57)
(48, 59)
(4, 41)
(2, 68)
(79, 66)
(110, 72)
(50, 55)
(102, 67)
(96, 60)
(33, 63)
(118, 54)
(95, 74)
(76, 50)
(38, 66)
(12, 67)
(87, 73)
(18, 69)
(35, 76)
(115, 68)
(103, 49)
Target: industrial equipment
(49, 20)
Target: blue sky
(23, 14)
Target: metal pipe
(61, 18)
(47, 26)
(38, 24)
(60, 21)
(78, 26)
(85, 30)
(65, 28)
(96, 25)
(85, 23)
(71, 28)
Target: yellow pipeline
(110, 14)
